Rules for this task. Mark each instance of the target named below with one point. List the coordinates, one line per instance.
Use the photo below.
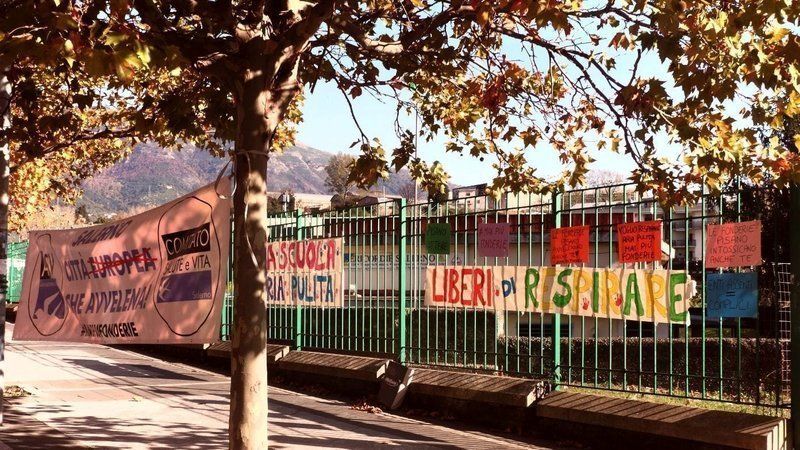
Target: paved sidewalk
(92, 396)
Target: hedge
(466, 339)
(753, 377)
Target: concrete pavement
(92, 396)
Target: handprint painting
(46, 308)
(157, 277)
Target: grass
(687, 401)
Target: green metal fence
(15, 267)
(730, 360)
(733, 360)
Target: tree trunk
(248, 414)
(5, 153)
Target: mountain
(151, 175)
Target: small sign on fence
(437, 238)
(733, 245)
(639, 241)
(493, 240)
(732, 295)
(569, 245)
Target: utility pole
(416, 148)
(413, 87)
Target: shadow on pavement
(21, 432)
(130, 370)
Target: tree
(65, 126)
(409, 191)
(54, 217)
(598, 178)
(338, 174)
(242, 63)
(607, 179)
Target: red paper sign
(733, 245)
(639, 241)
(493, 240)
(569, 245)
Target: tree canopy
(498, 79)
(337, 173)
(703, 80)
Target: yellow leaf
(778, 33)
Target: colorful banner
(733, 245)
(639, 241)
(732, 295)
(493, 240)
(307, 272)
(633, 294)
(569, 245)
(157, 277)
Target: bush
(755, 376)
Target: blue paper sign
(732, 295)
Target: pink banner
(733, 245)
(157, 277)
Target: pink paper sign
(733, 245)
(156, 277)
(493, 240)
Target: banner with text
(633, 294)
(305, 272)
(733, 245)
(157, 277)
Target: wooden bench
(732, 429)
(508, 391)
(334, 365)
(223, 350)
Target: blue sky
(327, 125)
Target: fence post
(556, 210)
(795, 312)
(401, 281)
(298, 313)
(226, 328)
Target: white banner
(633, 294)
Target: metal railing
(734, 360)
(737, 360)
(15, 268)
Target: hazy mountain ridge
(151, 176)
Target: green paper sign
(437, 238)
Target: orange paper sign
(569, 245)
(733, 245)
(639, 241)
